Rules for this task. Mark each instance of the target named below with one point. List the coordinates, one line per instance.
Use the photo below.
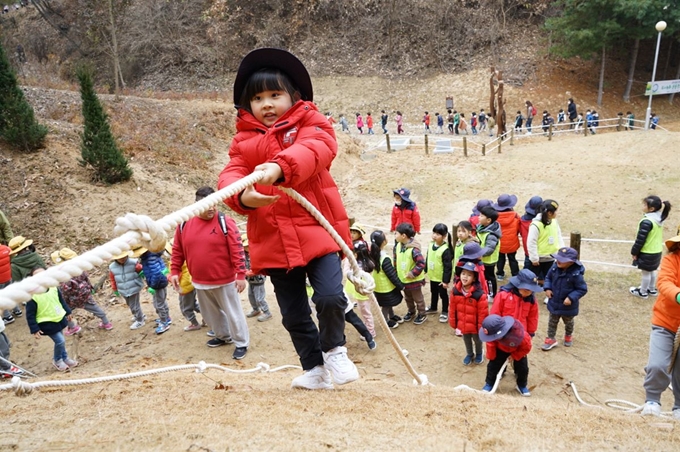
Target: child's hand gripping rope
(363, 282)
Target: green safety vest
(49, 307)
(548, 242)
(457, 252)
(493, 257)
(654, 242)
(435, 266)
(382, 282)
(405, 264)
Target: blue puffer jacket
(565, 283)
(154, 270)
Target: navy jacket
(565, 283)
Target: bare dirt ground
(598, 181)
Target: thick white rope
(22, 387)
(134, 229)
(363, 282)
(618, 404)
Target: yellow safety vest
(435, 265)
(548, 241)
(493, 257)
(405, 264)
(382, 282)
(49, 307)
(654, 242)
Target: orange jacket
(666, 311)
(302, 143)
(509, 221)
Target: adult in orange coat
(665, 325)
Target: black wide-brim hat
(279, 59)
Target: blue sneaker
(467, 360)
(163, 327)
(487, 388)
(479, 359)
(158, 321)
(524, 391)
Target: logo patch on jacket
(289, 137)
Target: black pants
(494, 366)
(540, 270)
(352, 318)
(438, 292)
(512, 260)
(325, 276)
(490, 275)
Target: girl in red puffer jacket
(281, 133)
(468, 307)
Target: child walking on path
(517, 299)
(505, 338)
(155, 272)
(23, 259)
(126, 281)
(565, 286)
(360, 123)
(360, 250)
(188, 304)
(47, 315)
(388, 287)
(77, 293)
(273, 93)
(508, 220)
(369, 123)
(439, 268)
(489, 233)
(410, 266)
(400, 123)
(665, 324)
(646, 250)
(256, 290)
(468, 309)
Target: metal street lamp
(660, 27)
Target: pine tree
(98, 147)
(18, 126)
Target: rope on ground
(362, 281)
(134, 229)
(22, 387)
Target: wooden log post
(550, 132)
(575, 242)
(500, 142)
(427, 150)
(619, 126)
(483, 149)
(585, 128)
(387, 142)
(465, 146)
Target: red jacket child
(284, 234)
(522, 306)
(404, 210)
(468, 310)
(516, 341)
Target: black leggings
(438, 292)
(490, 275)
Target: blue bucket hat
(533, 205)
(481, 203)
(472, 251)
(404, 194)
(505, 202)
(495, 327)
(566, 254)
(469, 266)
(526, 279)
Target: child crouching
(505, 338)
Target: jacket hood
(494, 228)
(655, 217)
(413, 244)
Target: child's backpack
(534, 112)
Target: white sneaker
(340, 366)
(137, 325)
(317, 378)
(651, 409)
(546, 300)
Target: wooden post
(465, 146)
(387, 141)
(585, 128)
(512, 136)
(483, 149)
(619, 127)
(500, 142)
(427, 151)
(550, 129)
(575, 242)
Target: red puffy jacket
(302, 143)
(467, 311)
(5, 265)
(509, 302)
(402, 214)
(509, 222)
(524, 232)
(518, 352)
